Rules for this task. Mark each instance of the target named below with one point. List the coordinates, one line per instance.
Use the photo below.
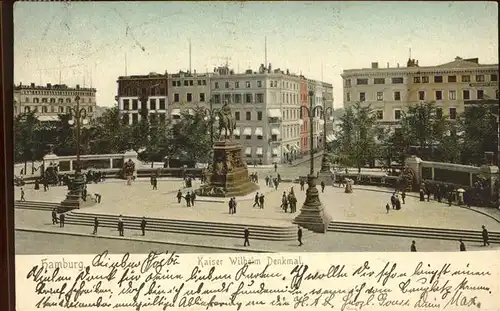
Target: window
(348, 83)
(36, 100)
(493, 77)
(398, 80)
(227, 85)
(153, 91)
(439, 95)
(248, 98)
(247, 84)
(380, 114)
(480, 94)
(60, 109)
(362, 96)
(465, 78)
(236, 84)
(134, 104)
(191, 82)
(237, 115)
(186, 83)
(416, 79)
(421, 95)
(202, 97)
(260, 98)
(44, 109)
(204, 82)
(348, 97)
(259, 115)
(216, 85)
(126, 104)
(452, 95)
(452, 79)
(152, 104)
(439, 113)
(227, 98)
(479, 78)
(361, 81)
(466, 94)
(397, 114)
(237, 98)
(199, 82)
(380, 96)
(379, 81)
(162, 104)
(259, 83)
(189, 97)
(52, 109)
(397, 95)
(453, 113)
(248, 115)
(425, 79)
(174, 83)
(53, 100)
(217, 98)
(176, 97)
(438, 79)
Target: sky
(87, 43)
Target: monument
(227, 176)
(76, 189)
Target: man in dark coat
(230, 203)
(193, 197)
(120, 226)
(54, 216)
(422, 195)
(61, 220)
(413, 247)
(256, 200)
(143, 225)
(393, 201)
(275, 167)
(387, 208)
(246, 235)
(462, 246)
(403, 196)
(302, 185)
(179, 196)
(96, 225)
(261, 200)
(155, 183)
(234, 205)
(188, 199)
(485, 236)
(299, 236)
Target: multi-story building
(51, 100)
(389, 91)
(304, 128)
(139, 92)
(266, 107)
(187, 91)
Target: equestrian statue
(226, 122)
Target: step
(36, 205)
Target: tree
(26, 127)
(357, 137)
(111, 134)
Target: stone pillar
(131, 155)
(415, 163)
(111, 163)
(70, 165)
(312, 214)
(432, 172)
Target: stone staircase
(36, 205)
(412, 232)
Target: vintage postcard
(256, 155)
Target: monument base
(72, 201)
(228, 174)
(312, 214)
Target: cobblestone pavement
(38, 223)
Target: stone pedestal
(74, 197)
(312, 214)
(228, 173)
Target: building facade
(187, 91)
(142, 92)
(304, 128)
(51, 100)
(390, 91)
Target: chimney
(374, 65)
(78, 86)
(32, 84)
(49, 85)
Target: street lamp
(312, 215)
(327, 114)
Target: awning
(330, 138)
(275, 151)
(274, 113)
(275, 131)
(48, 118)
(285, 149)
(191, 112)
(248, 150)
(259, 151)
(236, 131)
(247, 131)
(176, 112)
(258, 131)
(296, 147)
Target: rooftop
(50, 86)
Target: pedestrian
(247, 235)
(96, 225)
(188, 199)
(179, 196)
(193, 197)
(155, 183)
(256, 200)
(98, 197)
(299, 235)
(267, 180)
(143, 225)
(276, 183)
(261, 201)
(485, 236)
(427, 193)
(120, 225)
(302, 184)
(450, 198)
(279, 178)
(234, 205)
(151, 179)
(230, 203)
(22, 195)
(275, 167)
(413, 248)
(387, 208)
(393, 201)
(403, 196)
(54, 216)
(61, 220)
(462, 246)
(322, 186)
(422, 198)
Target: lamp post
(312, 215)
(327, 113)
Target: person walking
(322, 186)
(299, 236)
(246, 235)
(267, 180)
(230, 203)
(413, 247)
(54, 216)
(302, 183)
(61, 220)
(256, 200)
(275, 167)
(403, 196)
(393, 201)
(143, 226)
(193, 197)
(96, 225)
(155, 183)
(22, 195)
(276, 183)
(462, 246)
(179, 196)
(120, 226)
(261, 201)
(387, 208)
(188, 199)
(485, 237)
(234, 205)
